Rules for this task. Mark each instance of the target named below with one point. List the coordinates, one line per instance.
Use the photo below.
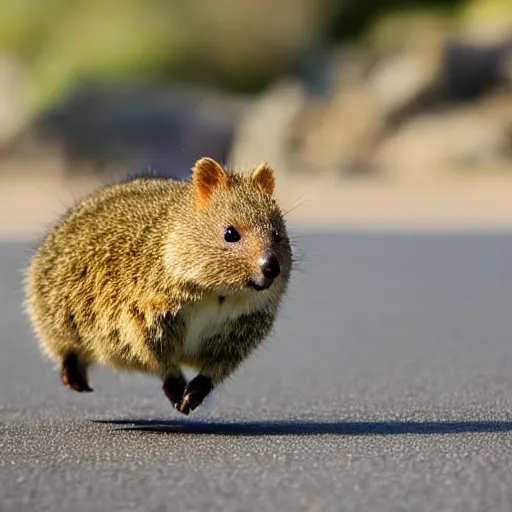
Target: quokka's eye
(276, 236)
(231, 235)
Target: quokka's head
(236, 237)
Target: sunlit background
(371, 112)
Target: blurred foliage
(352, 17)
(409, 28)
(60, 41)
(486, 9)
(236, 45)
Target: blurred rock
(262, 133)
(424, 104)
(328, 69)
(422, 90)
(471, 70)
(399, 79)
(339, 131)
(335, 135)
(137, 127)
(466, 137)
(466, 72)
(332, 132)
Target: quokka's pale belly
(211, 315)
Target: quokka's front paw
(195, 392)
(174, 387)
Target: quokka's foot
(174, 387)
(195, 392)
(72, 375)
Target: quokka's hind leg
(74, 373)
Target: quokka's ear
(207, 175)
(264, 177)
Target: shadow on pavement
(310, 428)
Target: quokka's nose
(270, 267)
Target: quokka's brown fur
(140, 276)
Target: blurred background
(371, 111)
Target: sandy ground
(33, 195)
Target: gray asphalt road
(385, 388)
